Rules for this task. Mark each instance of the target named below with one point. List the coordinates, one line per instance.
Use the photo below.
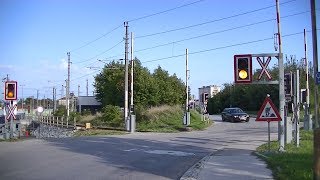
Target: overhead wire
(92, 41)
(100, 53)
(136, 19)
(222, 47)
(84, 75)
(218, 32)
(165, 11)
(212, 21)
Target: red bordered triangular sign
(268, 111)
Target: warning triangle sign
(268, 112)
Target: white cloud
(63, 64)
(6, 66)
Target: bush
(61, 111)
(75, 115)
(111, 116)
(86, 112)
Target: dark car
(234, 115)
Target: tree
(150, 89)
(109, 84)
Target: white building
(207, 92)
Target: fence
(63, 122)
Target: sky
(35, 36)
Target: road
(132, 156)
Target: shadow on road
(127, 154)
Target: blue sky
(36, 35)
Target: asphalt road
(132, 156)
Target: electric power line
(92, 41)
(218, 32)
(100, 53)
(212, 21)
(222, 47)
(85, 75)
(165, 11)
(136, 19)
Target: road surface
(132, 156)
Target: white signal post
(281, 83)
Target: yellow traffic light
(243, 68)
(10, 90)
(243, 74)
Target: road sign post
(268, 112)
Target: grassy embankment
(169, 119)
(295, 162)
(157, 119)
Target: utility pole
(37, 98)
(78, 90)
(54, 99)
(126, 78)
(187, 114)
(22, 99)
(44, 101)
(62, 90)
(132, 116)
(307, 70)
(87, 87)
(68, 87)
(307, 116)
(296, 107)
(316, 132)
(281, 127)
(132, 66)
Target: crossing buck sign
(264, 65)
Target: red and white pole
(307, 69)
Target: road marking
(163, 152)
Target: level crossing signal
(288, 84)
(10, 90)
(243, 68)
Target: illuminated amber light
(10, 94)
(243, 74)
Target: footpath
(237, 161)
(226, 164)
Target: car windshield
(236, 110)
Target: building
(88, 103)
(207, 92)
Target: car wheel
(247, 120)
(223, 118)
(232, 120)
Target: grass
(295, 162)
(168, 119)
(96, 132)
(86, 119)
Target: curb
(193, 172)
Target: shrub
(75, 115)
(111, 116)
(86, 112)
(61, 111)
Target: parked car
(234, 115)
